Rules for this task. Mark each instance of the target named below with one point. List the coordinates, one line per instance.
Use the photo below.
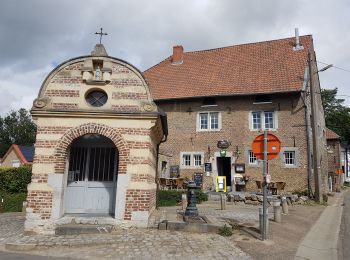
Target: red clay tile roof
(331, 135)
(263, 67)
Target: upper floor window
(208, 121)
(263, 120)
(262, 99)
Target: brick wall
(235, 113)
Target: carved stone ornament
(149, 107)
(41, 102)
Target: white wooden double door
(91, 184)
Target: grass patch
(225, 231)
(12, 202)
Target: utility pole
(315, 140)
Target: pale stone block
(75, 73)
(142, 186)
(122, 186)
(56, 180)
(75, 122)
(140, 169)
(140, 152)
(44, 151)
(132, 89)
(48, 137)
(39, 186)
(43, 168)
(136, 138)
(139, 216)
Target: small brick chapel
(98, 133)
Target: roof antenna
(298, 46)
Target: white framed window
(252, 158)
(186, 160)
(261, 120)
(191, 159)
(208, 121)
(16, 163)
(197, 159)
(289, 158)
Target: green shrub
(15, 180)
(12, 202)
(201, 196)
(225, 231)
(173, 197)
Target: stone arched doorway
(92, 175)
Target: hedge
(12, 202)
(173, 197)
(15, 180)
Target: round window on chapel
(96, 98)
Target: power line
(339, 68)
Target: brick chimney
(178, 54)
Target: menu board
(198, 179)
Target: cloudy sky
(37, 35)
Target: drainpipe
(163, 118)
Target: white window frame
(193, 160)
(262, 120)
(252, 159)
(209, 123)
(296, 152)
(292, 158)
(16, 163)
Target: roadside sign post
(265, 147)
(264, 231)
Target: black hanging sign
(207, 167)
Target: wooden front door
(91, 184)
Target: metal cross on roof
(101, 34)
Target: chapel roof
(260, 68)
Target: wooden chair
(259, 185)
(162, 183)
(280, 185)
(180, 183)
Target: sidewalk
(122, 243)
(322, 240)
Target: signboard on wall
(198, 179)
(174, 170)
(240, 167)
(207, 167)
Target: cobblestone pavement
(11, 227)
(239, 212)
(122, 244)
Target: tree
(337, 115)
(16, 127)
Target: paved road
(344, 234)
(13, 256)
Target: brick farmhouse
(234, 93)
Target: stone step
(77, 229)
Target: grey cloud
(38, 33)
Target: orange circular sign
(273, 146)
